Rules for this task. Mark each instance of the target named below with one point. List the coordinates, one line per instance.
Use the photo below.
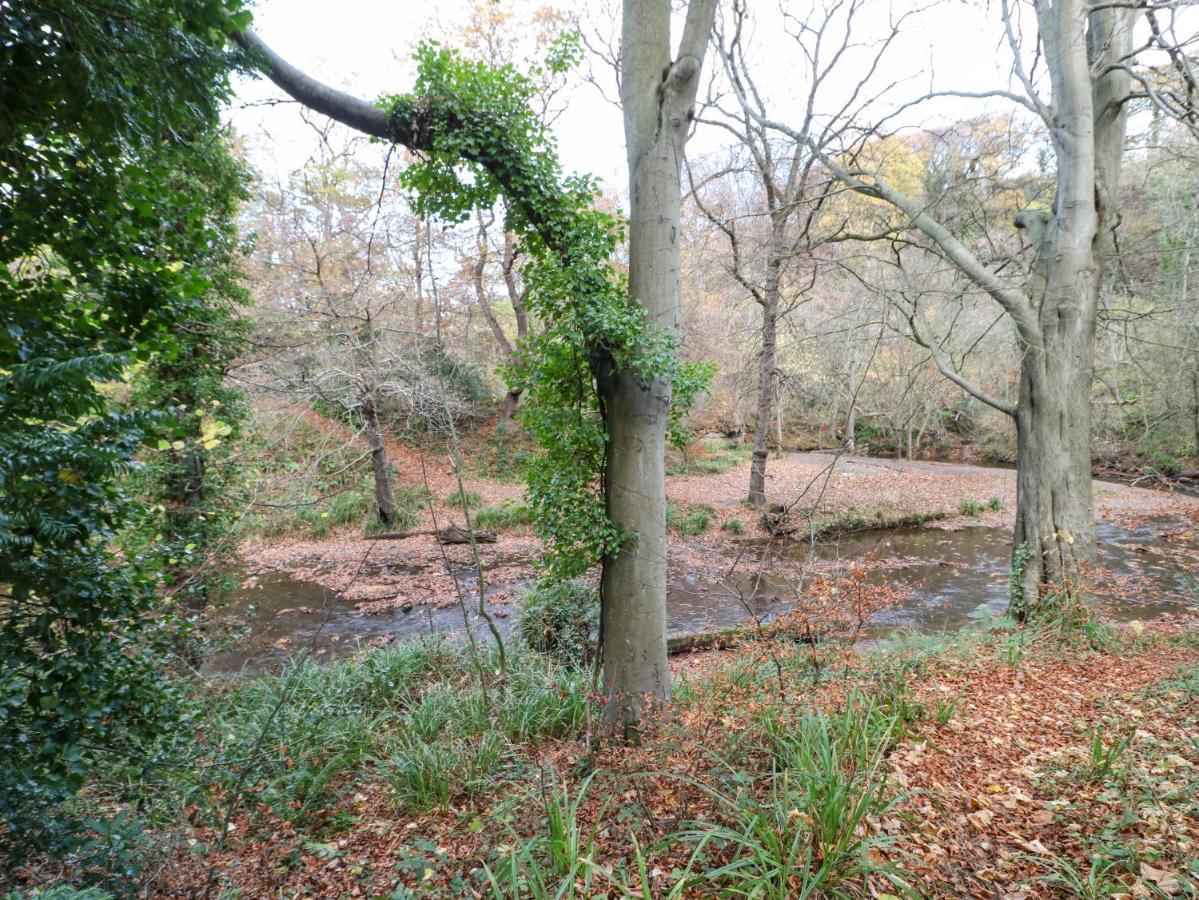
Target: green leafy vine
(488, 143)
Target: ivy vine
(487, 142)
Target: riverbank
(824, 494)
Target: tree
(189, 473)
(336, 279)
(1090, 60)
(657, 94)
(777, 263)
(601, 370)
(108, 107)
(516, 299)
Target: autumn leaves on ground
(1004, 763)
(1001, 761)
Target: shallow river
(945, 580)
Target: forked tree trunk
(1055, 529)
(385, 503)
(656, 100)
(1085, 48)
(511, 401)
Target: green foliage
(689, 519)
(509, 514)
(715, 458)
(970, 508)
(191, 482)
(486, 142)
(411, 714)
(1098, 881)
(561, 620)
(733, 526)
(690, 380)
(462, 497)
(809, 837)
(1105, 756)
(107, 249)
(568, 850)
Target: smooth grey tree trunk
(657, 95)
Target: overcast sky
(365, 46)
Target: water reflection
(947, 579)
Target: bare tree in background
(335, 286)
(776, 261)
(1078, 80)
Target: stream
(945, 579)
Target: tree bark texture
(657, 95)
(385, 503)
(767, 383)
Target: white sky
(364, 46)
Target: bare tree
(333, 287)
(1089, 57)
(778, 265)
(515, 297)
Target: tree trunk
(1055, 526)
(763, 419)
(1055, 529)
(656, 100)
(1195, 406)
(508, 407)
(385, 503)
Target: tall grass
(413, 716)
(559, 860)
(509, 514)
(807, 834)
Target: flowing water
(944, 579)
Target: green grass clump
(561, 620)
(463, 497)
(689, 519)
(733, 526)
(414, 714)
(806, 833)
(970, 508)
(714, 458)
(509, 514)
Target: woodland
(805, 504)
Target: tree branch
(345, 108)
(949, 372)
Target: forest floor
(1016, 764)
(711, 526)
(992, 762)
